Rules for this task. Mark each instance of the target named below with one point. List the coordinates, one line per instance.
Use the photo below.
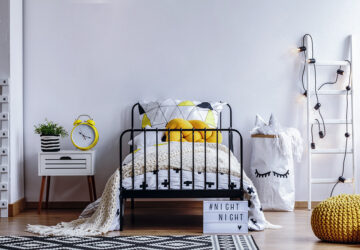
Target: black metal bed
(231, 192)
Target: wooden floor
(295, 234)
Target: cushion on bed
(199, 136)
(150, 139)
(158, 113)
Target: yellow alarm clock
(84, 135)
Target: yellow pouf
(337, 219)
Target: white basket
(272, 174)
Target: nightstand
(66, 163)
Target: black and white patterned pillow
(157, 114)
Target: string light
(340, 72)
(311, 60)
(318, 104)
(342, 179)
(317, 107)
(301, 49)
(321, 134)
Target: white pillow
(158, 113)
(150, 139)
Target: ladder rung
(329, 180)
(331, 63)
(334, 121)
(331, 151)
(331, 92)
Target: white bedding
(175, 166)
(163, 180)
(256, 217)
(187, 161)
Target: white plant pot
(50, 143)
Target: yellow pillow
(179, 123)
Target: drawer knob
(65, 158)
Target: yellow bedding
(179, 123)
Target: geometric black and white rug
(202, 242)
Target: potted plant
(50, 133)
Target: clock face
(83, 135)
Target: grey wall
(100, 57)
(4, 39)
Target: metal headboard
(220, 122)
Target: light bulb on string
(301, 49)
(311, 60)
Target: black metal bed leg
(122, 210)
(132, 203)
(242, 193)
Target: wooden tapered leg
(41, 193)
(90, 188)
(93, 187)
(47, 192)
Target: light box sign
(225, 217)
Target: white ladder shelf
(310, 118)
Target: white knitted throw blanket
(101, 220)
(199, 159)
(98, 223)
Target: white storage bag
(272, 174)
(272, 163)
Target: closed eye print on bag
(281, 175)
(276, 174)
(264, 175)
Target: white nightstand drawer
(66, 163)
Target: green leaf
(50, 128)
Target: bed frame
(231, 192)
